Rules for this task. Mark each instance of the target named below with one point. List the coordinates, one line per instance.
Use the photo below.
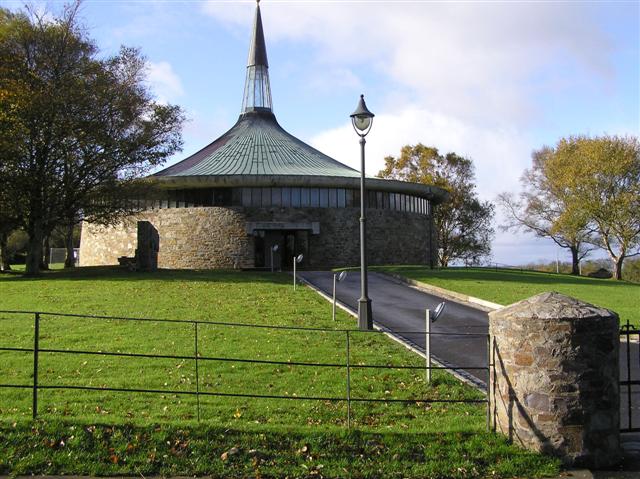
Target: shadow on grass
(104, 449)
(116, 273)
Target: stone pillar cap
(552, 305)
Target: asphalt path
(458, 337)
(398, 307)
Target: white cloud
(333, 78)
(499, 155)
(471, 77)
(164, 81)
(472, 60)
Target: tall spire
(257, 91)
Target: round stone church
(258, 186)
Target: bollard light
(296, 260)
(273, 249)
(337, 277)
(430, 318)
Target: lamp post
(362, 120)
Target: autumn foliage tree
(543, 209)
(79, 125)
(583, 191)
(602, 179)
(463, 223)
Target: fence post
(489, 383)
(348, 384)
(629, 411)
(427, 346)
(36, 346)
(197, 376)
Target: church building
(258, 186)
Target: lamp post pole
(362, 120)
(365, 317)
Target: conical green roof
(258, 145)
(257, 151)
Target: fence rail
(36, 386)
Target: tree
(601, 177)
(83, 126)
(543, 208)
(464, 222)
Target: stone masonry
(216, 237)
(554, 385)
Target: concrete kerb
(410, 345)
(478, 303)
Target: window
(305, 197)
(349, 198)
(222, 197)
(246, 196)
(286, 197)
(315, 197)
(256, 197)
(276, 196)
(295, 197)
(236, 196)
(324, 197)
(333, 198)
(266, 197)
(341, 198)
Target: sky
(490, 80)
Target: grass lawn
(100, 432)
(507, 286)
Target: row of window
(292, 197)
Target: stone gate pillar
(555, 380)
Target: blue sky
(489, 80)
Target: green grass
(137, 427)
(170, 450)
(508, 286)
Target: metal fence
(630, 379)
(197, 358)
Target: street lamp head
(342, 275)
(299, 258)
(362, 118)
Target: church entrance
(290, 243)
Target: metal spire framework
(257, 90)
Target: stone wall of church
(216, 237)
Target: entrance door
(295, 243)
(290, 243)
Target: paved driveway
(398, 307)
